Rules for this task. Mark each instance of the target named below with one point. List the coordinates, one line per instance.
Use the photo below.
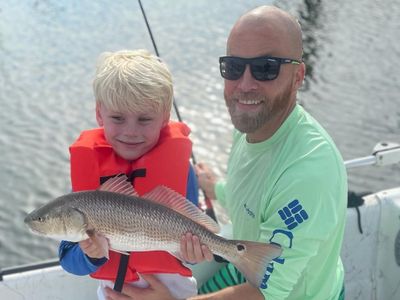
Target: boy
(133, 91)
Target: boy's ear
(99, 118)
(166, 119)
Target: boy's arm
(192, 188)
(73, 260)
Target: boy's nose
(130, 129)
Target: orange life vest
(93, 161)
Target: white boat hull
(372, 259)
(51, 283)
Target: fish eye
(240, 247)
(40, 219)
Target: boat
(370, 252)
(371, 245)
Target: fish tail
(253, 258)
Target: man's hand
(207, 179)
(96, 246)
(192, 251)
(155, 291)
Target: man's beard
(270, 109)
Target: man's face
(130, 134)
(259, 106)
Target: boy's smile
(131, 134)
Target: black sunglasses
(262, 68)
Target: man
(286, 182)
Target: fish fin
(120, 251)
(253, 259)
(119, 184)
(169, 198)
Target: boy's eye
(145, 119)
(117, 118)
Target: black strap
(123, 266)
(131, 176)
(136, 173)
(356, 200)
(124, 259)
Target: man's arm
(237, 292)
(207, 180)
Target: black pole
(158, 54)
(209, 208)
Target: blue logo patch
(293, 214)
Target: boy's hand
(96, 246)
(155, 291)
(192, 251)
(207, 179)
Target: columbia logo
(249, 212)
(293, 214)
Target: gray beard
(247, 123)
(271, 108)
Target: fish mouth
(29, 220)
(33, 223)
(35, 229)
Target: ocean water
(48, 50)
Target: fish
(155, 221)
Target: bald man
(286, 181)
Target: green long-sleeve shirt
(291, 189)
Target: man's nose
(247, 82)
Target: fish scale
(157, 223)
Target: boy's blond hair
(133, 81)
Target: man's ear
(299, 76)
(99, 117)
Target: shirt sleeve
(74, 261)
(303, 217)
(192, 189)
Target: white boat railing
(383, 154)
(28, 267)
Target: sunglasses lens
(231, 68)
(264, 69)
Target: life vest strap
(123, 266)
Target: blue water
(48, 49)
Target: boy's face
(131, 134)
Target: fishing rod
(208, 207)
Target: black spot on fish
(240, 247)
